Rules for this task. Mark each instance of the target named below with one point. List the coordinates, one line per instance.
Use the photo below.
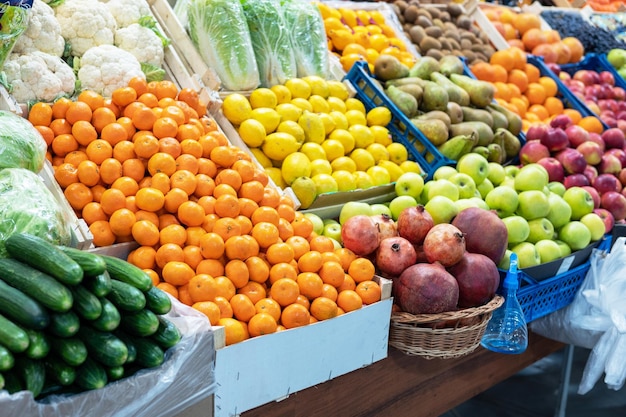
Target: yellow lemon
(295, 165)
(313, 150)
(378, 41)
(319, 86)
(289, 111)
(276, 175)
(410, 166)
(283, 94)
(363, 180)
(371, 55)
(278, 145)
(329, 123)
(381, 135)
(392, 168)
(343, 163)
(355, 104)
(302, 103)
(319, 104)
(348, 15)
(333, 148)
(348, 60)
(338, 89)
(320, 166)
(263, 97)
(293, 128)
(397, 153)
(252, 132)
(378, 151)
(325, 183)
(299, 88)
(379, 175)
(260, 156)
(336, 104)
(355, 117)
(363, 136)
(363, 160)
(378, 116)
(313, 127)
(268, 117)
(236, 108)
(345, 137)
(345, 180)
(340, 120)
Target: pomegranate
(360, 234)
(426, 289)
(484, 232)
(386, 225)
(478, 279)
(394, 255)
(445, 244)
(414, 223)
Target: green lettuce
(21, 145)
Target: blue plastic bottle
(506, 331)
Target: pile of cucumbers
(72, 320)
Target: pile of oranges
(148, 165)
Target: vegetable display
(21, 145)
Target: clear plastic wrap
(21, 145)
(308, 37)
(271, 41)
(185, 378)
(218, 30)
(26, 205)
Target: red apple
(595, 137)
(576, 180)
(573, 161)
(554, 168)
(622, 177)
(620, 154)
(615, 203)
(562, 120)
(614, 138)
(606, 77)
(607, 218)
(555, 139)
(532, 151)
(591, 151)
(536, 132)
(606, 182)
(619, 93)
(590, 172)
(576, 135)
(609, 164)
(594, 194)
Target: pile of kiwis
(442, 29)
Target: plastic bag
(185, 378)
(21, 145)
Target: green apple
(496, 173)
(557, 187)
(424, 195)
(443, 188)
(399, 203)
(527, 255)
(540, 229)
(479, 202)
(518, 229)
(579, 200)
(511, 170)
(320, 166)
(575, 234)
(379, 175)
(532, 204)
(464, 183)
(352, 208)
(474, 165)
(548, 250)
(444, 172)
(463, 203)
(508, 182)
(560, 212)
(318, 223)
(616, 57)
(345, 180)
(531, 177)
(325, 183)
(484, 188)
(336, 243)
(505, 262)
(595, 224)
(330, 221)
(564, 248)
(503, 200)
(441, 209)
(332, 230)
(380, 208)
(410, 183)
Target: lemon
(363, 136)
(278, 145)
(410, 166)
(252, 132)
(336, 104)
(381, 135)
(298, 88)
(268, 117)
(379, 175)
(340, 119)
(320, 166)
(363, 180)
(371, 54)
(333, 148)
(378, 151)
(345, 180)
(276, 176)
(343, 163)
(329, 123)
(263, 97)
(345, 137)
(355, 104)
(236, 108)
(313, 127)
(305, 190)
(319, 86)
(355, 117)
(260, 156)
(283, 95)
(313, 150)
(319, 104)
(378, 116)
(303, 103)
(325, 183)
(295, 165)
(392, 168)
(397, 153)
(338, 89)
(289, 111)
(363, 160)
(293, 128)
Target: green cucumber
(44, 256)
(1, 381)
(104, 347)
(99, 284)
(168, 334)
(21, 308)
(38, 345)
(140, 323)
(12, 336)
(115, 372)
(64, 324)
(126, 297)
(86, 304)
(158, 301)
(59, 370)
(39, 285)
(126, 272)
(92, 264)
(32, 373)
(132, 350)
(149, 353)
(71, 349)
(12, 383)
(109, 319)
(7, 360)
(91, 375)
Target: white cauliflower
(127, 12)
(43, 32)
(105, 68)
(142, 42)
(85, 23)
(39, 76)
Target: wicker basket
(445, 335)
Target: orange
(191, 213)
(177, 273)
(504, 58)
(549, 86)
(185, 180)
(84, 132)
(575, 47)
(265, 214)
(235, 330)
(213, 267)
(538, 110)
(139, 84)
(209, 309)
(243, 307)
(310, 284)
(302, 226)
(361, 269)
(262, 323)
(553, 105)
(294, 315)
(227, 206)
(110, 170)
(123, 96)
(536, 93)
(225, 287)
(265, 233)
(279, 252)
(78, 195)
(99, 150)
(102, 234)
(147, 215)
(143, 118)
(329, 291)
(78, 110)
(173, 233)
(123, 151)
(205, 185)
(310, 261)
(369, 291)
(145, 232)
(547, 51)
(149, 199)
(187, 162)
(563, 53)
(332, 273)
(223, 156)
(46, 133)
(202, 287)
(122, 221)
(92, 212)
(168, 253)
(285, 291)
(346, 256)
(223, 304)
(349, 300)
(60, 126)
(299, 245)
(573, 114)
(523, 22)
(173, 199)
(282, 270)
(237, 271)
(64, 143)
(519, 78)
(323, 308)
(258, 269)
(127, 185)
(163, 89)
(285, 230)
(146, 146)
(268, 306)
(168, 288)
(534, 37)
(66, 174)
(591, 124)
(40, 114)
(75, 157)
(254, 291)
(111, 200)
(133, 168)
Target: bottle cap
(511, 279)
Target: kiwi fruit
(429, 43)
(437, 54)
(434, 31)
(401, 5)
(452, 34)
(438, 22)
(469, 54)
(434, 12)
(444, 16)
(417, 33)
(445, 44)
(465, 43)
(423, 21)
(454, 9)
(454, 44)
(449, 26)
(464, 22)
(410, 14)
(477, 47)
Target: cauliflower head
(85, 23)
(43, 32)
(127, 12)
(105, 68)
(39, 76)
(141, 42)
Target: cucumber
(7, 360)
(99, 284)
(140, 323)
(38, 345)
(21, 308)
(126, 297)
(104, 347)
(44, 256)
(126, 272)
(86, 304)
(115, 372)
(64, 324)
(109, 319)
(132, 350)
(149, 353)
(91, 263)
(1, 381)
(71, 349)
(12, 336)
(12, 383)
(167, 335)
(91, 375)
(158, 301)
(58, 370)
(32, 373)
(39, 285)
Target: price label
(565, 265)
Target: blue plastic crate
(595, 62)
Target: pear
(470, 114)
(388, 67)
(481, 92)
(305, 190)
(435, 97)
(435, 130)
(423, 67)
(436, 114)
(455, 93)
(404, 101)
(515, 121)
(451, 64)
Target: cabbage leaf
(21, 145)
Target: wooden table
(402, 385)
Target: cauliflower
(43, 32)
(105, 68)
(141, 42)
(38, 76)
(85, 23)
(127, 12)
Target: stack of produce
(73, 320)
